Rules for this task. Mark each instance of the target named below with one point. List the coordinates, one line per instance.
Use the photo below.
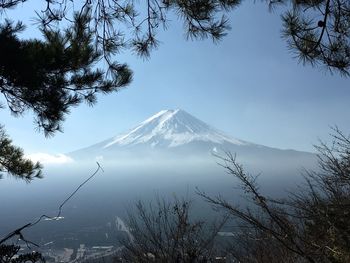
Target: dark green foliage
(50, 76)
(318, 31)
(14, 163)
(128, 24)
(9, 254)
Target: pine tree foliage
(130, 24)
(52, 75)
(311, 225)
(13, 162)
(318, 31)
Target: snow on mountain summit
(171, 128)
(171, 135)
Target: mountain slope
(171, 128)
(178, 132)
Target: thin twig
(18, 231)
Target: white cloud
(46, 158)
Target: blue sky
(248, 85)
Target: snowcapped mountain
(171, 128)
(175, 131)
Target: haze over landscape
(174, 131)
(139, 164)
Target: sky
(248, 85)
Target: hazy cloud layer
(50, 158)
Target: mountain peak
(164, 114)
(171, 128)
(174, 131)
